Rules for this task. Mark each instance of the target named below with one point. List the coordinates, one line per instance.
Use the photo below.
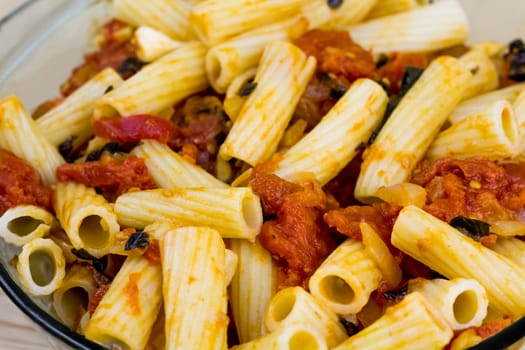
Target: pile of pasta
(191, 260)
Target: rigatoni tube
(194, 288)
(463, 302)
(391, 7)
(447, 251)
(71, 299)
(72, 118)
(87, 218)
(427, 28)
(345, 280)
(411, 324)
(294, 305)
(170, 170)
(152, 44)
(235, 212)
(167, 16)
(281, 79)
(126, 314)
(159, 85)
(410, 129)
(41, 266)
(21, 224)
(332, 144)
(493, 134)
(484, 74)
(20, 135)
(292, 337)
(252, 287)
(215, 21)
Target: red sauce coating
(97, 296)
(473, 187)
(297, 237)
(134, 128)
(152, 253)
(132, 293)
(336, 53)
(112, 176)
(112, 53)
(492, 327)
(20, 184)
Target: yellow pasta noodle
(447, 251)
(281, 79)
(152, 44)
(41, 266)
(21, 224)
(234, 212)
(194, 288)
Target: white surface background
(16, 331)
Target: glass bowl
(41, 41)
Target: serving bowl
(41, 41)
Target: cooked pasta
(21, 224)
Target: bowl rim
(501, 340)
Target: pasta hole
(213, 66)
(74, 299)
(283, 306)
(337, 290)
(23, 225)
(42, 267)
(302, 340)
(92, 233)
(508, 125)
(251, 212)
(465, 306)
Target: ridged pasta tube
(480, 103)
(408, 132)
(484, 74)
(519, 110)
(424, 29)
(159, 85)
(126, 314)
(411, 324)
(252, 287)
(71, 298)
(462, 302)
(493, 134)
(170, 170)
(295, 305)
(511, 248)
(87, 218)
(391, 7)
(447, 251)
(23, 223)
(345, 280)
(152, 44)
(215, 21)
(72, 118)
(235, 212)
(293, 337)
(224, 62)
(281, 79)
(41, 266)
(350, 12)
(332, 144)
(20, 135)
(194, 288)
(168, 16)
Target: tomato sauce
(20, 184)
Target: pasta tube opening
(508, 125)
(93, 231)
(24, 225)
(337, 290)
(282, 305)
(465, 306)
(41, 266)
(303, 340)
(72, 300)
(251, 212)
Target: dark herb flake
(337, 91)
(130, 66)
(138, 239)
(396, 294)
(111, 147)
(472, 228)
(335, 3)
(248, 88)
(108, 89)
(349, 327)
(66, 149)
(99, 264)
